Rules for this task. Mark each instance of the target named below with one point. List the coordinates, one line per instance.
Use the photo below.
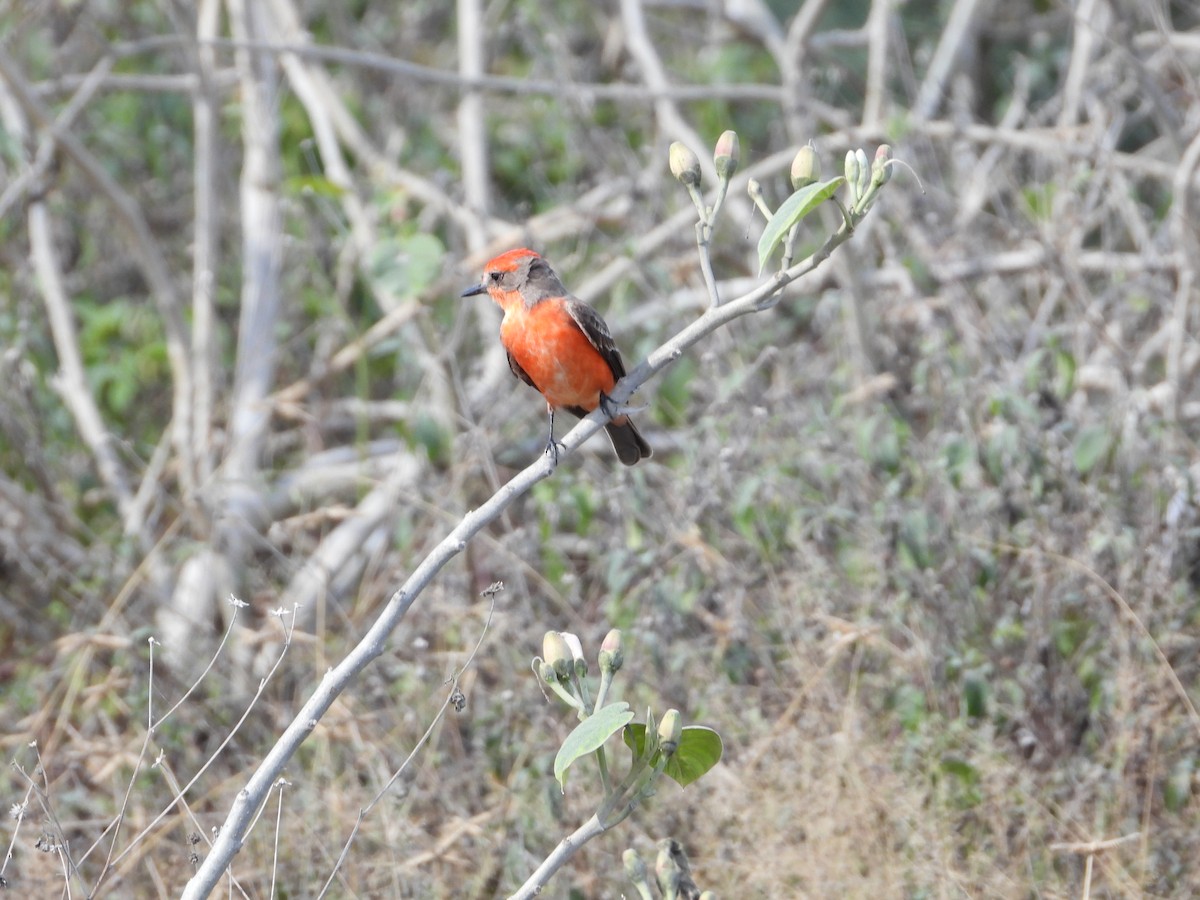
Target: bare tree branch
(472, 124)
(145, 250)
(959, 31)
(671, 124)
(205, 243)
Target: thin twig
(452, 697)
(956, 35)
(1089, 848)
(670, 121)
(225, 742)
(1184, 233)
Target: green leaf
(794, 208)
(588, 736)
(317, 185)
(1177, 789)
(700, 749)
(1091, 447)
(405, 266)
(975, 695)
(1064, 372)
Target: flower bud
(666, 870)
(685, 165)
(726, 154)
(806, 167)
(881, 172)
(578, 663)
(669, 730)
(612, 652)
(851, 174)
(864, 171)
(557, 653)
(635, 869)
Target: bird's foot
(608, 407)
(552, 448)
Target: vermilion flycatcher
(558, 344)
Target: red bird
(558, 344)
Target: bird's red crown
(510, 261)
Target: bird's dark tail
(631, 447)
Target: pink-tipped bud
(685, 165)
(612, 652)
(881, 172)
(727, 154)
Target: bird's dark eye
(495, 276)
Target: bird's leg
(609, 408)
(552, 445)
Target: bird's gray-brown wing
(596, 331)
(519, 372)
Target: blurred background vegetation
(922, 542)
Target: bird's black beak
(473, 290)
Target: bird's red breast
(548, 344)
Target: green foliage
(964, 779)
(673, 393)
(909, 705)
(406, 264)
(1039, 202)
(794, 209)
(1177, 788)
(530, 155)
(428, 433)
(125, 354)
(956, 459)
(1091, 446)
(915, 539)
(699, 750)
(882, 439)
(588, 736)
(975, 694)
(760, 517)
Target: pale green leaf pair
(795, 208)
